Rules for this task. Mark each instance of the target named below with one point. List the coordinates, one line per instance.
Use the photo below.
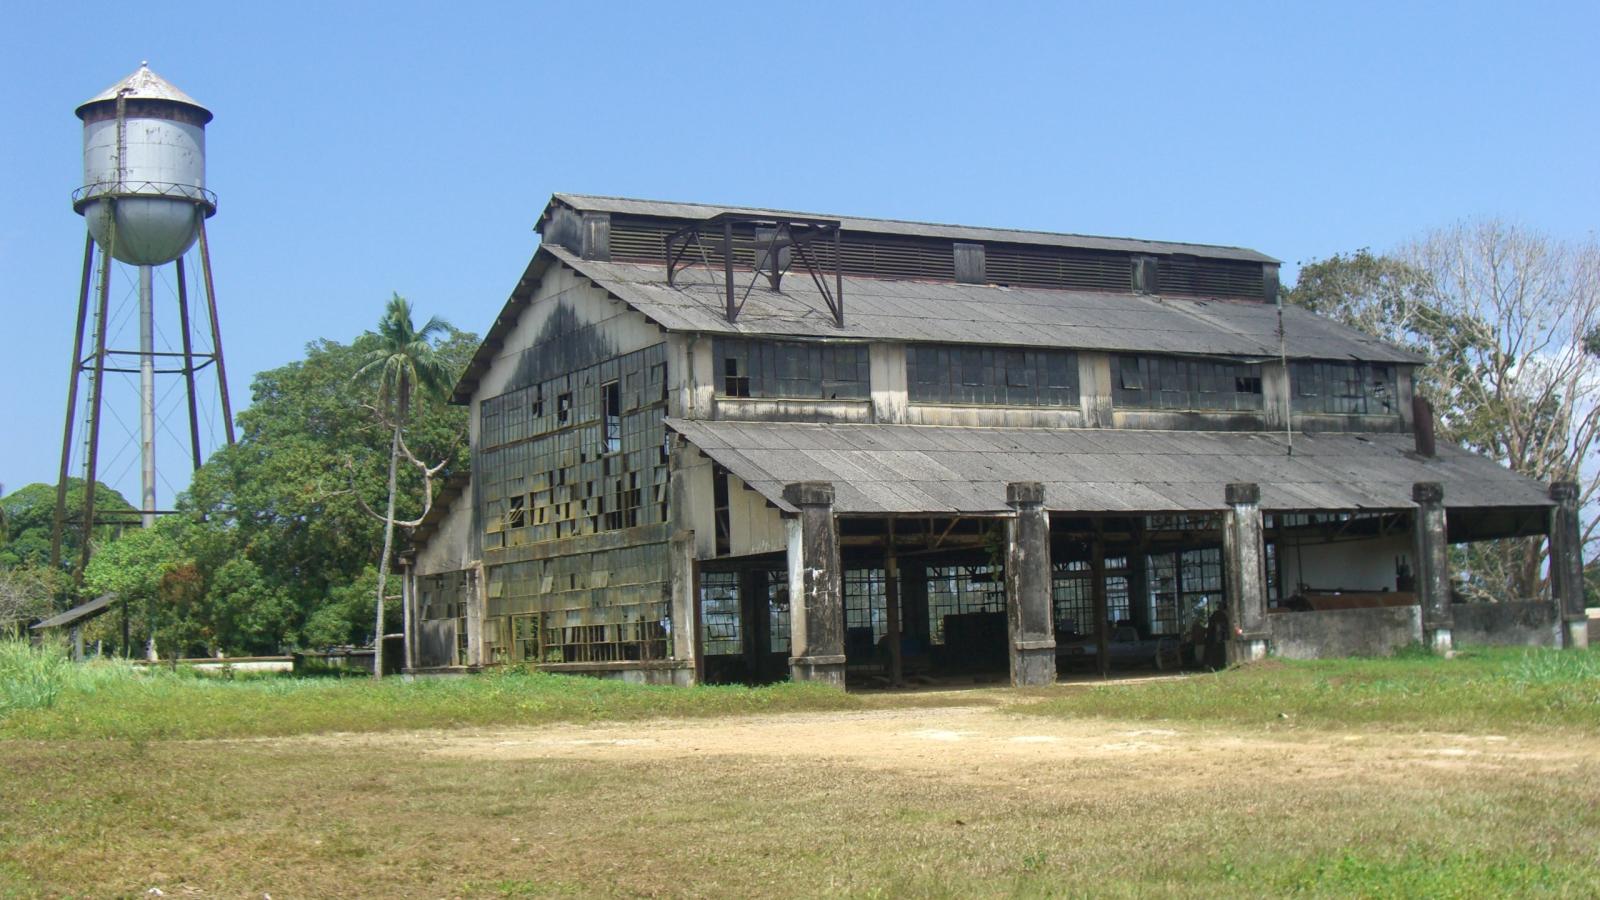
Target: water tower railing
(139, 189)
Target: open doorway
(744, 624)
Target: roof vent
(1145, 275)
(970, 263)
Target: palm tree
(404, 364)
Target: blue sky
(360, 149)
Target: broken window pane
(1179, 383)
(996, 377)
(794, 370)
(1343, 388)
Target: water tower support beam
(188, 363)
(216, 329)
(58, 524)
(147, 398)
(96, 393)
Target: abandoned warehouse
(740, 445)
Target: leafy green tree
(286, 497)
(29, 514)
(134, 568)
(353, 602)
(405, 365)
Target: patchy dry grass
(1362, 791)
(1493, 689)
(299, 817)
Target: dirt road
(991, 744)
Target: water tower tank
(144, 144)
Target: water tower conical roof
(143, 84)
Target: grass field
(50, 699)
(1481, 688)
(1410, 777)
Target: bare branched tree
(1509, 320)
(24, 596)
(1517, 373)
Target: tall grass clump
(31, 677)
(37, 678)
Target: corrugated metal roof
(701, 211)
(883, 469)
(143, 84)
(877, 309)
(81, 611)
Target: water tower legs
(147, 399)
(216, 327)
(93, 365)
(58, 525)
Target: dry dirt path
(988, 743)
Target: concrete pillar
(477, 591)
(1094, 389)
(1031, 630)
(887, 365)
(1245, 561)
(1433, 566)
(1566, 565)
(816, 595)
(681, 599)
(683, 588)
(1276, 397)
(408, 623)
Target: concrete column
(1275, 397)
(1094, 389)
(682, 578)
(681, 606)
(477, 588)
(408, 623)
(1245, 560)
(1566, 565)
(890, 397)
(816, 595)
(1433, 566)
(1032, 633)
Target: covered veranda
(919, 551)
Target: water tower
(145, 203)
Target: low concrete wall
(1343, 632)
(663, 671)
(218, 665)
(1506, 624)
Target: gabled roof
(919, 469)
(880, 309)
(701, 211)
(143, 84)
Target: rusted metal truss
(773, 234)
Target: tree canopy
(1509, 320)
(272, 546)
(29, 514)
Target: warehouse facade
(714, 444)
